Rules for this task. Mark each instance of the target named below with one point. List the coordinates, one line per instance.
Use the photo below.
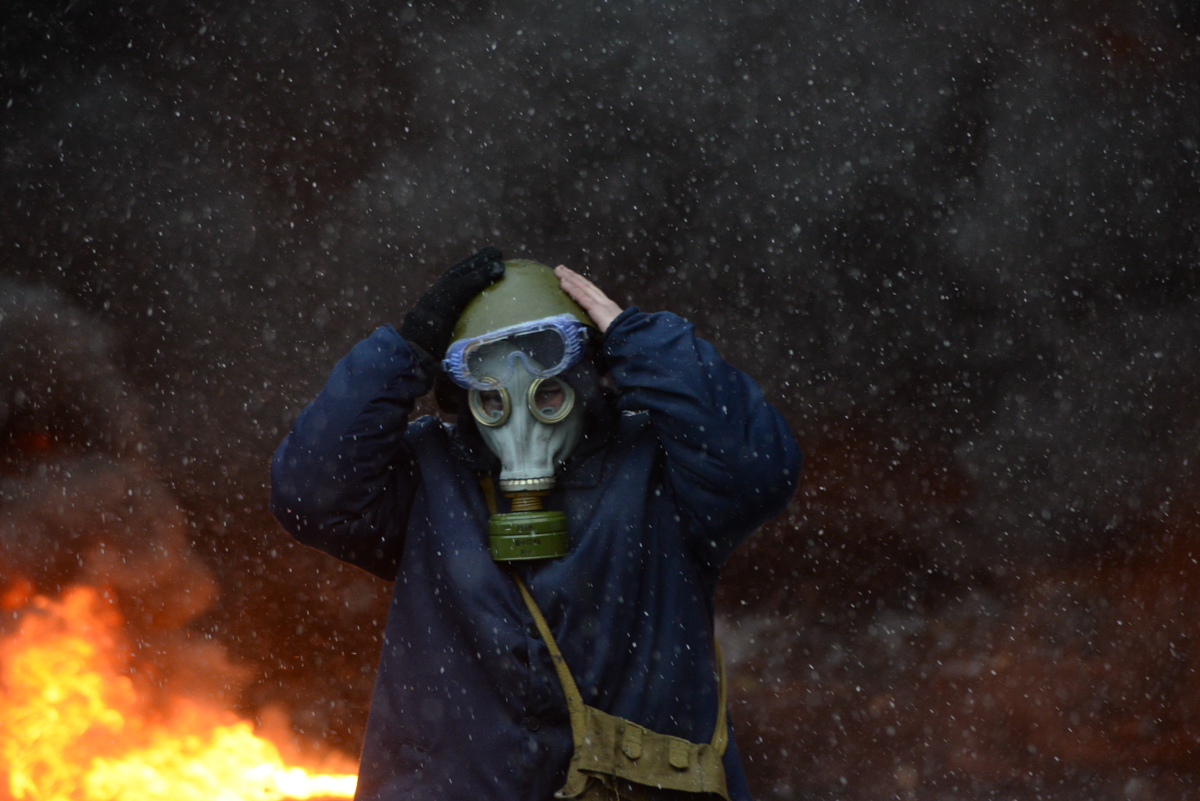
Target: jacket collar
(468, 447)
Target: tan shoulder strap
(721, 733)
(489, 492)
(574, 699)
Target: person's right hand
(430, 323)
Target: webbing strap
(571, 691)
(574, 699)
(575, 705)
(489, 492)
(721, 734)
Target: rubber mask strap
(489, 493)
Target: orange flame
(73, 727)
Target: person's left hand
(600, 307)
(430, 323)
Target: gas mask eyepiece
(490, 407)
(549, 400)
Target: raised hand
(430, 323)
(600, 307)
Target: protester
(562, 510)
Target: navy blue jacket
(467, 704)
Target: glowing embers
(74, 727)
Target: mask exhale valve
(528, 531)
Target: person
(554, 551)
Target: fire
(73, 726)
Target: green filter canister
(520, 536)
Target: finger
(572, 283)
(576, 285)
(565, 273)
(587, 297)
(599, 306)
(575, 293)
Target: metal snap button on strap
(532, 723)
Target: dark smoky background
(957, 244)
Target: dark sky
(957, 243)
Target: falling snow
(956, 243)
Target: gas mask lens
(550, 399)
(491, 407)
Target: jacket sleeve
(731, 460)
(344, 478)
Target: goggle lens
(542, 352)
(546, 348)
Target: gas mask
(532, 423)
(526, 412)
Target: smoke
(956, 242)
(926, 230)
(78, 501)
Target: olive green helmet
(528, 291)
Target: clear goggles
(546, 347)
